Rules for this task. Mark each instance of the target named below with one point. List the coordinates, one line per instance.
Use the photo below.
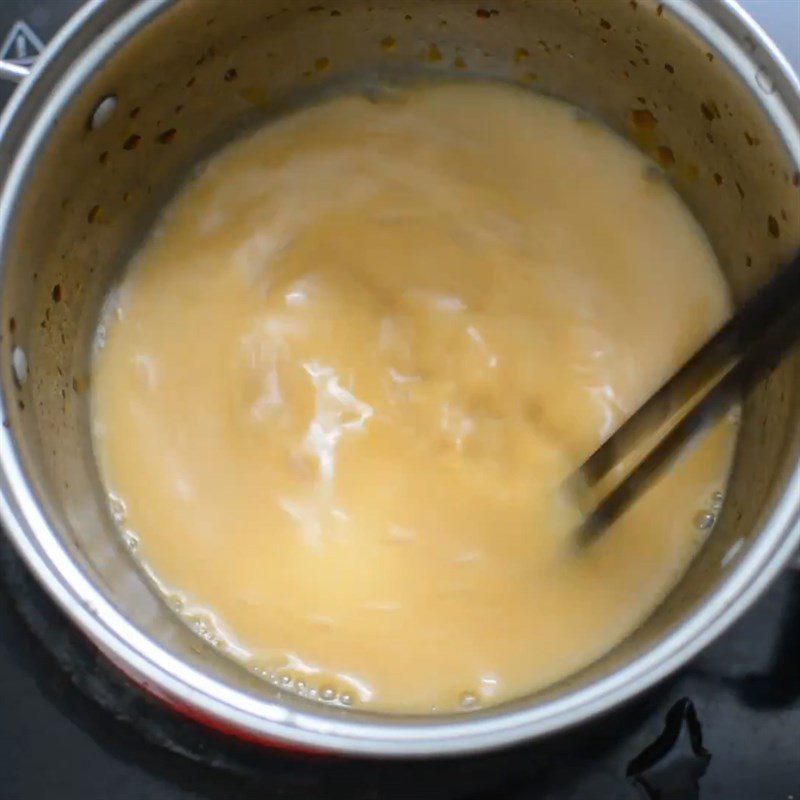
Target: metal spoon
(717, 376)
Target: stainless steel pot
(128, 97)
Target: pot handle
(13, 72)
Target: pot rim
(25, 123)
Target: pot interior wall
(204, 70)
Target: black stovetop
(727, 727)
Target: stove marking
(21, 45)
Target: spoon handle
(751, 343)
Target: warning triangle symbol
(21, 45)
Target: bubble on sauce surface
(292, 676)
(119, 511)
(704, 520)
(206, 629)
(305, 690)
(175, 602)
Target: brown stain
(739, 189)
(483, 13)
(659, 10)
(231, 75)
(132, 142)
(434, 54)
(322, 64)
(167, 137)
(710, 56)
(665, 156)
(56, 293)
(669, 68)
(710, 111)
(753, 141)
(103, 158)
(643, 119)
(459, 63)
(521, 54)
(718, 179)
(604, 23)
(388, 43)
(773, 228)
(94, 214)
(529, 78)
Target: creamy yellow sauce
(337, 392)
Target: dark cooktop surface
(727, 727)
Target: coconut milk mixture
(345, 377)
